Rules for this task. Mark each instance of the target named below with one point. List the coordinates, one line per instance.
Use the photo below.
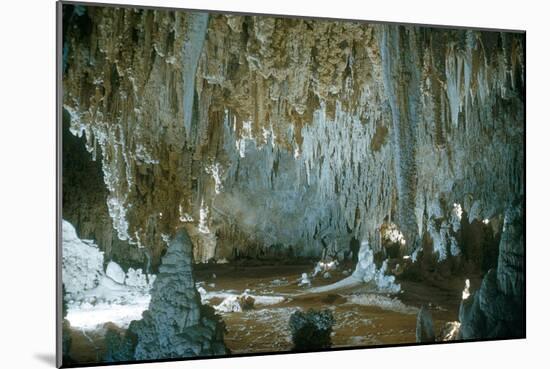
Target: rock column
(176, 324)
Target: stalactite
(401, 82)
(195, 34)
(287, 144)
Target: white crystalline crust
(365, 272)
(383, 302)
(216, 171)
(136, 278)
(94, 296)
(115, 272)
(82, 264)
(230, 301)
(229, 305)
(203, 219)
(394, 235)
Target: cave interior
(237, 184)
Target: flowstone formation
(267, 136)
(176, 325)
(367, 272)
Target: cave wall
(497, 309)
(256, 133)
(85, 202)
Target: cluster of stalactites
(326, 150)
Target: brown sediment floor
(362, 316)
(87, 347)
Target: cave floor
(362, 316)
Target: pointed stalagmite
(176, 323)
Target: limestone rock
(311, 330)
(449, 332)
(230, 304)
(176, 325)
(304, 280)
(366, 271)
(497, 309)
(246, 301)
(115, 272)
(312, 127)
(66, 339)
(511, 256)
(424, 326)
(82, 262)
(236, 304)
(119, 346)
(400, 58)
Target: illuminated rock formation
(497, 309)
(176, 324)
(260, 131)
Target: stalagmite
(176, 323)
(424, 326)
